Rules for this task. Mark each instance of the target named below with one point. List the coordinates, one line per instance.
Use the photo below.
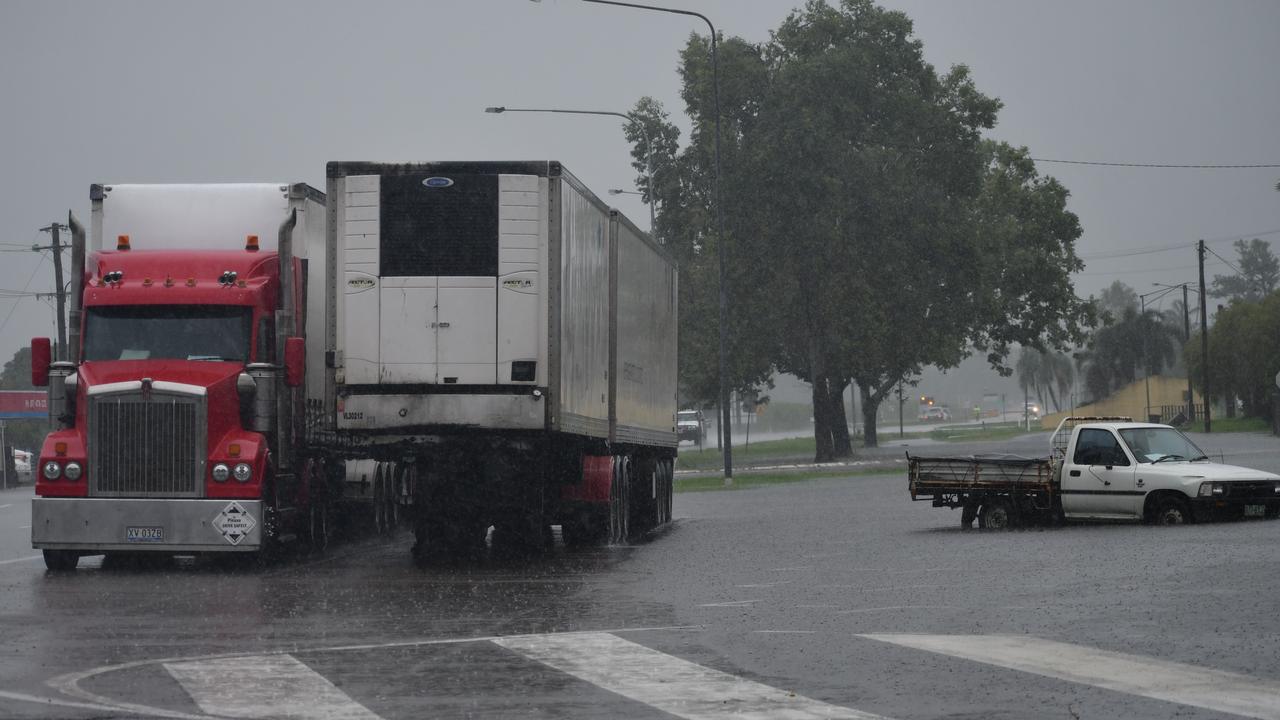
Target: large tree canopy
(870, 231)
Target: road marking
(21, 559)
(765, 585)
(6, 505)
(732, 603)
(896, 607)
(37, 700)
(668, 683)
(265, 686)
(1159, 679)
(785, 632)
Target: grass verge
(1235, 424)
(991, 431)
(712, 483)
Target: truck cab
(174, 411)
(1133, 471)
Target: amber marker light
(251, 243)
(233, 449)
(60, 449)
(122, 242)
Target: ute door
(1098, 479)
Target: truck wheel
(967, 515)
(1273, 511)
(61, 560)
(996, 515)
(1171, 510)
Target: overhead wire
(25, 287)
(1179, 166)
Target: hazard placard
(234, 523)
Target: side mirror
(295, 361)
(41, 358)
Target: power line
(24, 289)
(1153, 249)
(1159, 165)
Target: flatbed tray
(929, 475)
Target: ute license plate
(1255, 510)
(144, 534)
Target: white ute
(1098, 469)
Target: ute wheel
(61, 560)
(1170, 510)
(996, 514)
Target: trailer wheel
(620, 500)
(996, 514)
(967, 515)
(61, 560)
(1171, 510)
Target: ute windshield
(171, 332)
(1157, 444)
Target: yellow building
(1131, 401)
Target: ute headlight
(73, 471)
(1211, 488)
(243, 472)
(221, 472)
(52, 470)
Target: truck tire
(968, 514)
(996, 514)
(61, 560)
(1171, 510)
(620, 501)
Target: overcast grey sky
(264, 91)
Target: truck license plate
(144, 534)
(1255, 510)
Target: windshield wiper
(1199, 457)
(1170, 456)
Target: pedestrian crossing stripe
(1180, 683)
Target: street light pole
(1186, 338)
(648, 144)
(726, 430)
(614, 191)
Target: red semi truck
(491, 336)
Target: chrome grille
(146, 446)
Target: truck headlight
(52, 470)
(243, 472)
(73, 470)
(221, 472)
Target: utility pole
(1204, 340)
(59, 290)
(1186, 338)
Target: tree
(869, 229)
(1244, 343)
(1043, 371)
(1134, 346)
(1259, 273)
(1117, 300)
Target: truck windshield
(182, 332)
(1152, 445)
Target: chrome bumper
(173, 525)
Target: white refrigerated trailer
(503, 344)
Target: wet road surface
(829, 598)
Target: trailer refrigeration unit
(491, 340)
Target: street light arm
(677, 11)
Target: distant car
(1033, 411)
(689, 426)
(935, 414)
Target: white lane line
(668, 683)
(765, 585)
(6, 505)
(732, 603)
(1159, 679)
(138, 710)
(265, 686)
(21, 559)
(887, 608)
